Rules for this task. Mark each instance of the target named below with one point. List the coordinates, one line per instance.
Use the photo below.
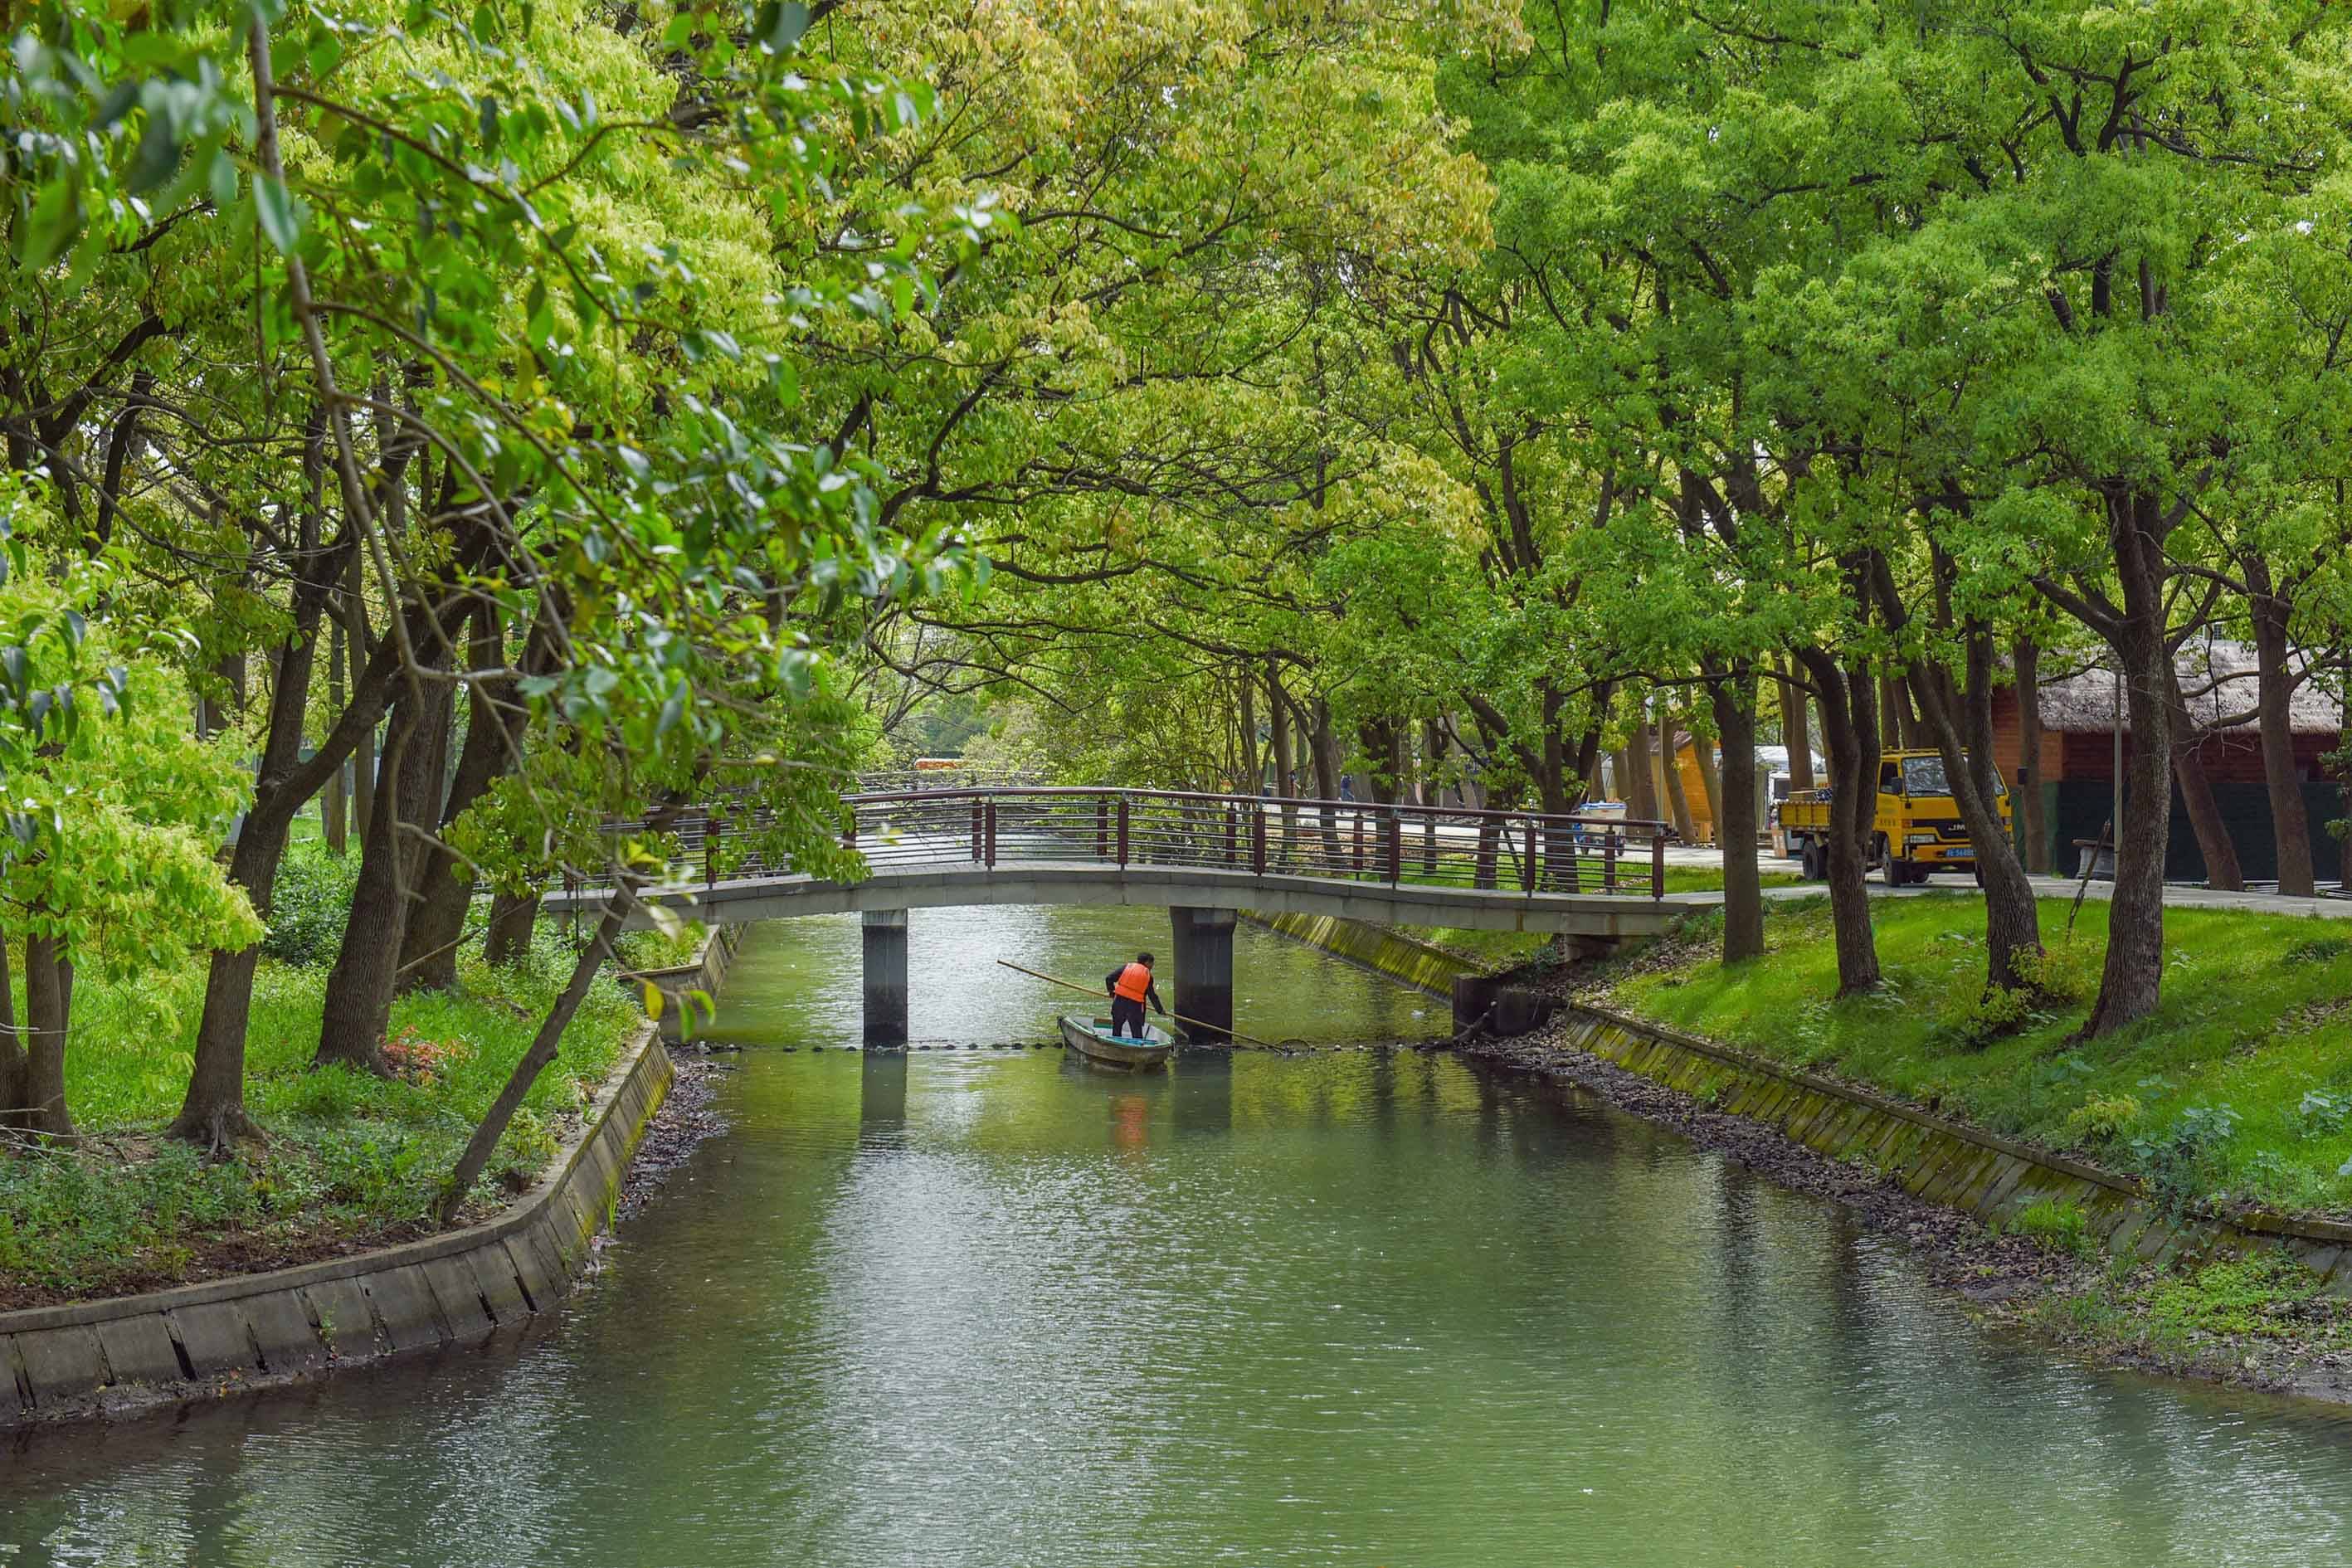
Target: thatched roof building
(2216, 676)
(2074, 769)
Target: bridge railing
(1460, 846)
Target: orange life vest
(1133, 982)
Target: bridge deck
(1588, 875)
(740, 899)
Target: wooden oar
(1180, 1017)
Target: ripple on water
(993, 1308)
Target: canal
(986, 1307)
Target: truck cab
(1918, 830)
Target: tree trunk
(513, 917)
(1796, 733)
(1640, 779)
(1285, 763)
(213, 717)
(364, 771)
(2275, 687)
(363, 755)
(2032, 813)
(336, 808)
(1252, 768)
(48, 1015)
(1383, 743)
(493, 1126)
(1325, 745)
(437, 923)
(1956, 721)
(2213, 841)
(1587, 765)
(1433, 790)
(212, 1113)
(1849, 710)
(358, 987)
(1710, 783)
(2344, 794)
(1677, 798)
(485, 1140)
(1734, 701)
(2131, 982)
(2012, 919)
(15, 1090)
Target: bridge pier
(1205, 968)
(886, 976)
(882, 1099)
(1204, 1091)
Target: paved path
(2177, 895)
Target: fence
(1336, 840)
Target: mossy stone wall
(1400, 957)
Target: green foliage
(1980, 1014)
(2207, 1100)
(115, 815)
(2249, 1296)
(2064, 973)
(2055, 1224)
(2323, 1112)
(2184, 1163)
(2103, 1118)
(660, 948)
(309, 904)
(349, 1157)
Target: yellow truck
(1918, 828)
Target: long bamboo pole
(1180, 1017)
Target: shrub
(2056, 1225)
(659, 949)
(2323, 1112)
(310, 904)
(2184, 1162)
(528, 1147)
(1981, 1014)
(2066, 971)
(2252, 1295)
(2102, 1117)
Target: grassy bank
(2237, 1093)
(1509, 949)
(2238, 1090)
(1709, 878)
(349, 1160)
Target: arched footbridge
(1202, 856)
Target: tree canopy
(499, 432)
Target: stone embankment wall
(707, 974)
(1940, 1160)
(1400, 957)
(131, 1352)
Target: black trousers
(1126, 1018)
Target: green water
(1369, 1306)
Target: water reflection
(989, 1308)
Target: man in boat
(1130, 987)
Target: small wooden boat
(1094, 1040)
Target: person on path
(1130, 987)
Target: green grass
(1495, 948)
(2239, 1089)
(1709, 880)
(642, 950)
(1508, 949)
(347, 1155)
